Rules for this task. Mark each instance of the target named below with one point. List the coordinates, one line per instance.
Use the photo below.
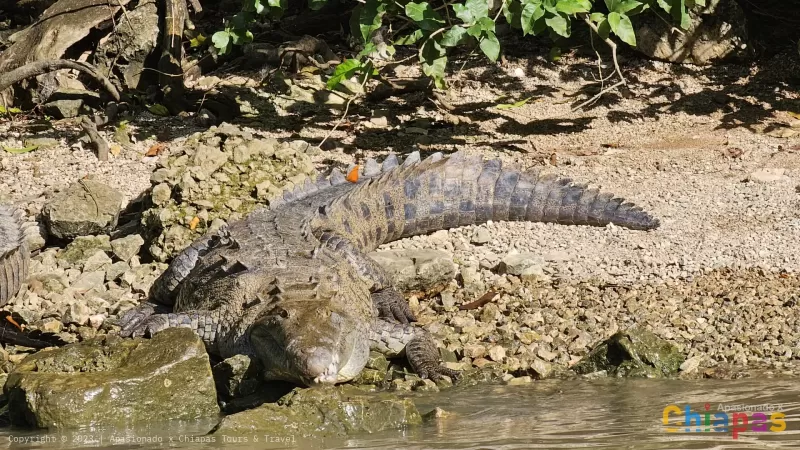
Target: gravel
(719, 278)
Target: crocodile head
(311, 344)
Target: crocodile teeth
(331, 373)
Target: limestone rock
(127, 247)
(328, 411)
(86, 207)
(417, 271)
(109, 380)
(633, 353)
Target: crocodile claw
(136, 319)
(392, 306)
(438, 372)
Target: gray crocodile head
(311, 343)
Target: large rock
(424, 272)
(85, 207)
(321, 412)
(633, 353)
(110, 380)
(716, 33)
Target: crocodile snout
(319, 366)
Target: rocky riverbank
(712, 293)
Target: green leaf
(475, 31)
(18, 151)
(627, 5)
(597, 17)
(159, 110)
(222, 41)
(434, 61)
(197, 41)
(559, 24)
(409, 39)
(512, 10)
(4, 110)
(486, 24)
(604, 29)
(454, 36)
(366, 18)
(259, 7)
(530, 14)
(555, 53)
(574, 6)
(315, 5)
(425, 17)
(471, 10)
(490, 46)
(345, 70)
(622, 27)
(513, 105)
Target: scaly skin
(292, 286)
(14, 254)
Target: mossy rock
(113, 381)
(633, 353)
(325, 412)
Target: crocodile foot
(134, 318)
(392, 306)
(392, 339)
(423, 356)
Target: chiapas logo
(727, 418)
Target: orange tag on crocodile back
(352, 176)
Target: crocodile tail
(418, 197)
(14, 254)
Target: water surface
(613, 414)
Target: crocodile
(14, 253)
(14, 271)
(291, 285)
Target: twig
(91, 129)
(599, 94)
(610, 43)
(344, 114)
(51, 65)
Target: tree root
(45, 66)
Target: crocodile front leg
(392, 339)
(135, 323)
(390, 304)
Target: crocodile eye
(283, 313)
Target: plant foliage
(435, 27)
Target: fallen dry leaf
(193, 223)
(115, 150)
(352, 176)
(156, 149)
(485, 298)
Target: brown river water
(603, 413)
